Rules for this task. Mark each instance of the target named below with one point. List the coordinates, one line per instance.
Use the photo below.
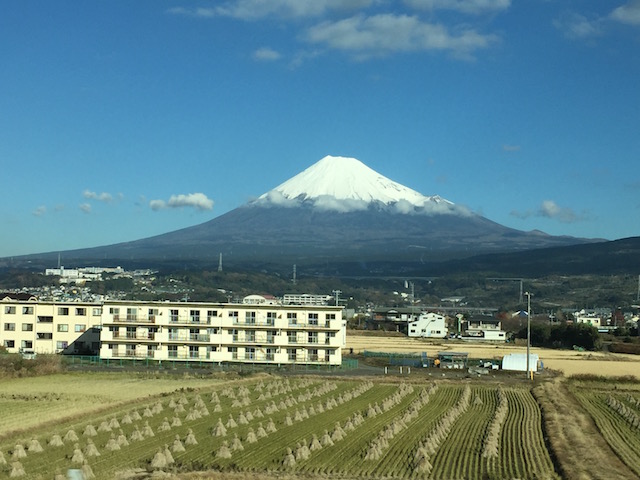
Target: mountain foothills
(337, 216)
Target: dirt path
(580, 451)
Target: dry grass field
(31, 402)
(566, 361)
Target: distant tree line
(565, 335)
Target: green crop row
(300, 427)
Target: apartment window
(63, 311)
(330, 316)
(9, 327)
(173, 315)
(172, 351)
(271, 318)
(79, 327)
(194, 334)
(250, 317)
(313, 355)
(9, 309)
(63, 327)
(44, 336)
(313, 319)
(291, 353)
(194, 351)
(81, 311)
(313, 337)
(153, 313)
(194, 316)
(27, 327)
(211, 314)
(292, 337)
(292, 317)
(114, 311)
(271, 334)
(45, 319)
(10, 343)
(250, 353)
(96, 311)
(328, 336)
(61, 345)
(233, 351)
(250, 337)
(233, 314)
(132, 314)
(27, 310)
(212, 331)
(26, 344)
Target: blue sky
(120, 120)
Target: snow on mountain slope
(347, 184)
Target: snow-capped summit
(344, 183)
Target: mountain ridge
(316, 218)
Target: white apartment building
(49, 327)
(189, 331)
(223, 332)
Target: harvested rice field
(117, 426)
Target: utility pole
(337, 295)
(528, 331)
(413, 300)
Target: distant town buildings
(82, 274)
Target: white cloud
(41, 210)
(464, 6)
(102, 197)
(387, 33)
(257, 9)
(85, 207)
(628, 13)
(576, 26)
(550, 209)
(199, 201)
(266, 54)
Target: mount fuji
(337, 211)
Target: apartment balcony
(254, 340)
(187, 320)
(199, 337)
(134, 353)
(192, 337)
(173, 355)
(320, 324)
(268, 322)
(130, 318)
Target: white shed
(517, 362)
